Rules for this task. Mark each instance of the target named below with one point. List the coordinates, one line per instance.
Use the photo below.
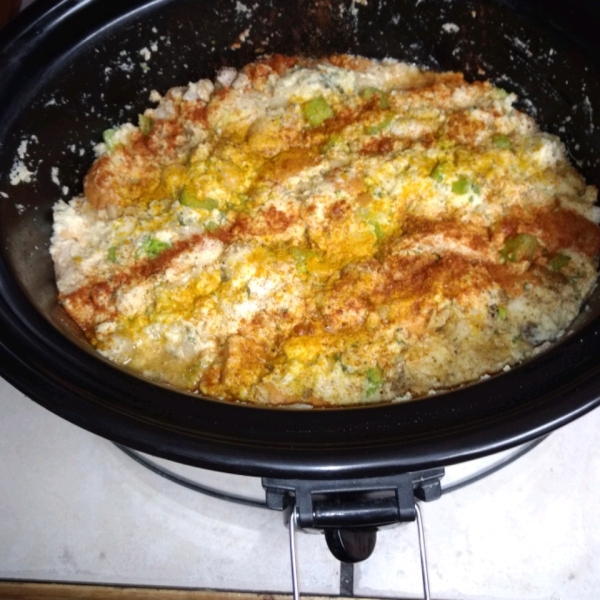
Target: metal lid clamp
(349, 512)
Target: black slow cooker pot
(70, 69)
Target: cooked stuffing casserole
(327, 232)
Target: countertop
(74, 507)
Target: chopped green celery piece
(461, 186)
(519, 247)
(373, 218)
(189, 198)
(153, 247)
(208, 204)
(107, 136)
(464, 185)
(145, 124)
(558, 261)
(211, 226)
(502, 312)
(237, 203)
(438, 172)
(300, 256)
(112, 254)
(374, 380)
(316, 111)
(377, 230)
(373, 92)
(501, 141)
(375, 129)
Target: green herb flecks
(112, 254)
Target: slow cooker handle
(369, 502)
(349, 512)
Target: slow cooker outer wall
(45, 55)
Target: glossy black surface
(69, 70)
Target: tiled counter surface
(73, 507)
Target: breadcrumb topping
(327, 232)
